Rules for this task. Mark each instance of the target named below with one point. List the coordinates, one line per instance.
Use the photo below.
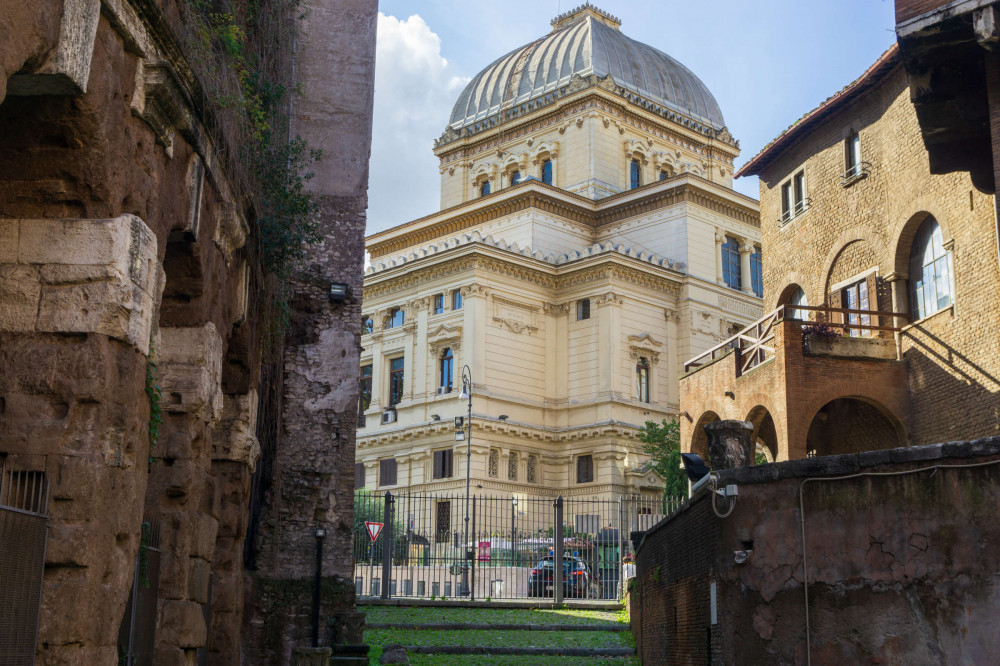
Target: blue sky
(767, 63)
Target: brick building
(859, 233)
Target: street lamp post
(467, 395)
(513, 531)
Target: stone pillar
(730, 444)
(76, 307)
(313, 480)
(746, 249)
(900, 295)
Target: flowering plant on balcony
(821, 329)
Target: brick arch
(833, 390)
(904, 238)
(793, 280)
(699, 440)
(852, 424)
(765, 429)
(847, 237)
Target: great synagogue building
(589, 242)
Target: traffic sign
(374, 529)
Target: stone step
(523, 651)
(455, 626)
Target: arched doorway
(852, 425)
(765, 435)
(699, 439)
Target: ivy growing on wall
(154, 394)
(242, 52)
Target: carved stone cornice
(556, 309)
(609, 298)
(582, 212)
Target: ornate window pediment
(445, 336)
(644, 346)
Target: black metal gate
(137, 634)
(428, 549)
(24, 498)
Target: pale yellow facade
(524, 258)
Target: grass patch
(430, 615)
(515, 660)
(593, 639)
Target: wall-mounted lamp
(339, 292)
(436, 417)
(459, 421)
(460, 435)
(320, 533)
(730, 395)
(694, 466)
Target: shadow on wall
(953, 397)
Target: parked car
(577, 582)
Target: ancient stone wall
(120, 240)
(313, 482)
(897, 570)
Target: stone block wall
(118, 243)
(897, 571)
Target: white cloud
(415, 88)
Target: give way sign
(374, 529)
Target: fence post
(474, 551)
(387, 544)
(557, 555)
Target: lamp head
(694, 466)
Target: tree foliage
(661, 442)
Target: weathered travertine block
(234, 437)
(191, 367)
(67, 68)
(182, 624)
(79, 276)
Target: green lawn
(427, 615)
(377, 638)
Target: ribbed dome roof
(585, 41)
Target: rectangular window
(793, 196)
(456, 299)
(585, 469)
(359, 475)
(364, 393)
(442, 524)
(583, 309)
(438, 303)
(387, 472)
(852, 155)
(856, 297)
(396, 367)
(757, 273)
(731, 264)
(443, 461)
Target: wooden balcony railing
(755, 343)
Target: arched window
(547, 172)
(447, 369)
(515, 177)
(484, 189)
(635, 175)
(798, 297)
(930, 271)
(642, 380)
(396, 318)
(757, 273)
(494, 464)
(731, 263)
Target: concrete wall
(897, 568)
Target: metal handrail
(859, 170)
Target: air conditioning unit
(442, 390)
(389, 416)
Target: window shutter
(872, 283)
(836, 301)
(450, 460)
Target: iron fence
(425, 549)
(24, 499)
(137, 634)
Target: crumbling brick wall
(897, 570)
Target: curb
(457, 626)
(523, 651)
